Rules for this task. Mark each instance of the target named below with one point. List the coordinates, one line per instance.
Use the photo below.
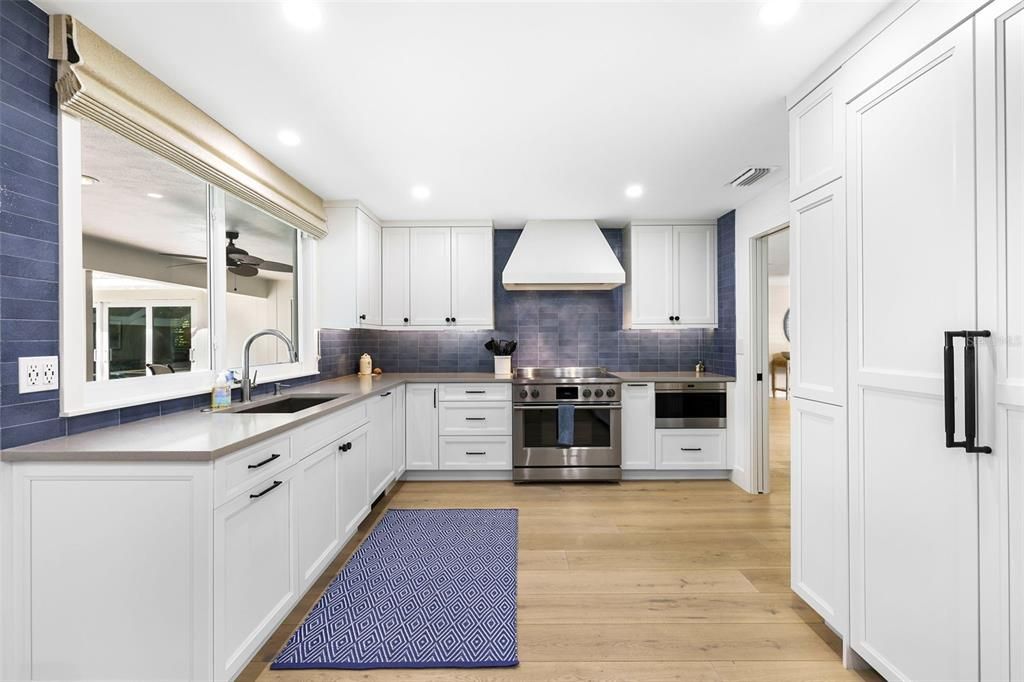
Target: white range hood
(562, 254)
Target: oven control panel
(566, 393)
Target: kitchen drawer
(459, 392)
(484, 452)
(475, 419)
(691, 449)
(312, 436)
(235, 474)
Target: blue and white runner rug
(428, 588)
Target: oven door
(597, 438)
(682, 406)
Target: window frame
(78, 396)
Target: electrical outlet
(37, 374)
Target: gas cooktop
(564, 375)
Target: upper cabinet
(438, 276)
(815, 140)
(348, 272)
(368, 250)
(671, 276)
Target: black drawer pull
(476, 419)
(385, 395)
(476, 391)
(638, 385)
(345, 447)
(261, 494)
(476, 453)
(691, 449)
(268, 460)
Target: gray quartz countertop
(690, 377)
(197, 436)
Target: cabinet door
(691, 449)
(651, 283)
(815, 140)
(476, 453)
(354, 504)
(818, 295)
(696, 275)
(819, 518)
(430, 275)
(912, 275)
(473, 276)
(255, 580)
(368, 249)
(399, 432)
(395, 276)
(380, 462)
(319, 512)
(638, 426)
(421, 426)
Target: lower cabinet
(638, 444)
(319, 502)
(398, 431)
(421, 427)
(380, 460)
(691, 449)
(476, 452)
(255, 576)
(819, 509)
(352, 481)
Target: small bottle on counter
(220, 396)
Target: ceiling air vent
(748, 176)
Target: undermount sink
(287, 404)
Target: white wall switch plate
(37, 374)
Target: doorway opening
(770, 300)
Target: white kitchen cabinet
(319, 512)
(352, 478)
(421, 427)
(476, 453)
(472, 279)
(671, 276)
(395, 304)
(819, 509)
(399, 432)
(475, 418)
(368, 249)
(638, 426)
(255, 576)
(380, 463)
(818, 295)
(448, 393)
(680, 449)
(430, 276)
(816, 137)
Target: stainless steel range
(595, 429)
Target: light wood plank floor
(641, 581)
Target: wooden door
(1000, 120)
(914, 503)
(651, 283)
(395, 276)
(473, 277)
(430, 275)
(696, 273)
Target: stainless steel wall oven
(690, 405)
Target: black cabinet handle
(385, 395)
(476, 419)
(691, 449)
(261, 494)
(970, 390)
(453, 320)
(638, 385)
(475, 453)
(447, 319)
(405, 319)
(435, 398)
(362, 317)
(476, 391)
(345, 447)
(268, 460)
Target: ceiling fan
(239, 261)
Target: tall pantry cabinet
(908, 222)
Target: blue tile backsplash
(553, 328)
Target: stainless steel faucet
(246, 381)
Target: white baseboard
(451, 475)
(679, 475)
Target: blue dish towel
(566, 425)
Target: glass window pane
(261, 283)
(127, 333)
(144, 247)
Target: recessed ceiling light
(154, 195)
(775, 12)
(302, 14)
(420, 192)
(89, 180)
(635, 191)
(289, 138)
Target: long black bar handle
(970, 391)
(949, 391)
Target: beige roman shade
(96, 80)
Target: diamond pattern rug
(427, 588)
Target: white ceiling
(505, 111)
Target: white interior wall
(761, 214)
